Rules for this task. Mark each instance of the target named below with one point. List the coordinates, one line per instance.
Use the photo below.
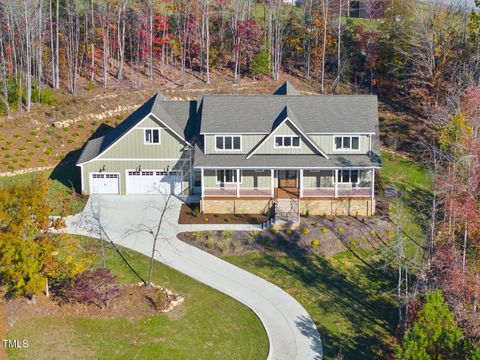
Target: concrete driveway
(127, 220)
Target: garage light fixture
(139, 168)
(102, 169)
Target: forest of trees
(419, 51)
(424, 56)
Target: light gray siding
(326, 144)
(250, 179)
(132, 145)
(320, 178)
(286, 129)
(248, 142)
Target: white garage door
(104, 183)
(154, 182)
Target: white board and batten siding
(104, 183)
(153, 182)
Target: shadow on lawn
(358, 300)
(66, 172)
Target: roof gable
(286, 89)
(286, 117)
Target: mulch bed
(189, 215)
(134, 302)
(316, 235)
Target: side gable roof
(286, 89)
(287, 115)
(154, 106)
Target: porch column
(238, 182)
(373, 183)
(202, 184)
(272, 182)
(301, 183)
(335, 182)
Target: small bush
(205, 219)
(315, 224)
(70, 141)
(305, 231)
(11, 167)
(28, 140)
(253, 236)
(197, 236)
(372, 232)
(227, 220)
(227, 234)
(81, 126)
(315, 243)
(8, 156)
(45, 141)
(75, 134)
(16, 136)
(42, 160)
(340, 230)
(22, 148)
(34, 132)
(224, 245)
(36, 146)
(275, 231)
(90, 85)
(289, 232)
(237, 246)
(27, 159)
(94, 123)
(353, 243)
(211, 239)
(324, 230)
(120, 117)
(196, 211)
(9, 142)
(96, 287)
(390, 233)
(48, 151)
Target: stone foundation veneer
(353, 207)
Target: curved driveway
(127, 220)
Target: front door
(287, 178)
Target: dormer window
(287, 141)
(347, 143)
(152, 136)
(228, 142)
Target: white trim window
(346, 143)
(227, 176)
(287, 141)
(228, 142)
(152, 136)
(348, 177)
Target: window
(347, 176)
(152, 136)
(227, 143)
(228, 176)
(287, 141)
(347, 143)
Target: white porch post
(301, 183)
(202, 184)
(335, 181)
(272, 182)
(238, 182)
(373, 183)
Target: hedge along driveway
(291, 332)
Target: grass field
(351, 296)
(208, 325)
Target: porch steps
(287, 211)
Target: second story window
(287, 141)
(347, 143)
(228, 142)
(152, 136)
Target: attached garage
(153, 182)
(104, 183)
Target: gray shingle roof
(177, 115)
(316, 113)
(286, 89)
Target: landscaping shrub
(315, 243)
(90, 85)
(205, 219)
(211, 239)
(45, 141)
(197, 236)
(353, 243)
(289, 232)
(96, 287)
(305, 231)
(238, 246)
(227, 220)
(196, 211)
(275, 231)
(227, 234)
(224, 245)
(340, 230)
(315, 224)
(372, 232)
(253, 236)
(48, 151)
(324, 230)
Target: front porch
(288, 183)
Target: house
(245, 153)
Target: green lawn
(208, 325)
(63, 179)
(352, 299)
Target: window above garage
(152, 136)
